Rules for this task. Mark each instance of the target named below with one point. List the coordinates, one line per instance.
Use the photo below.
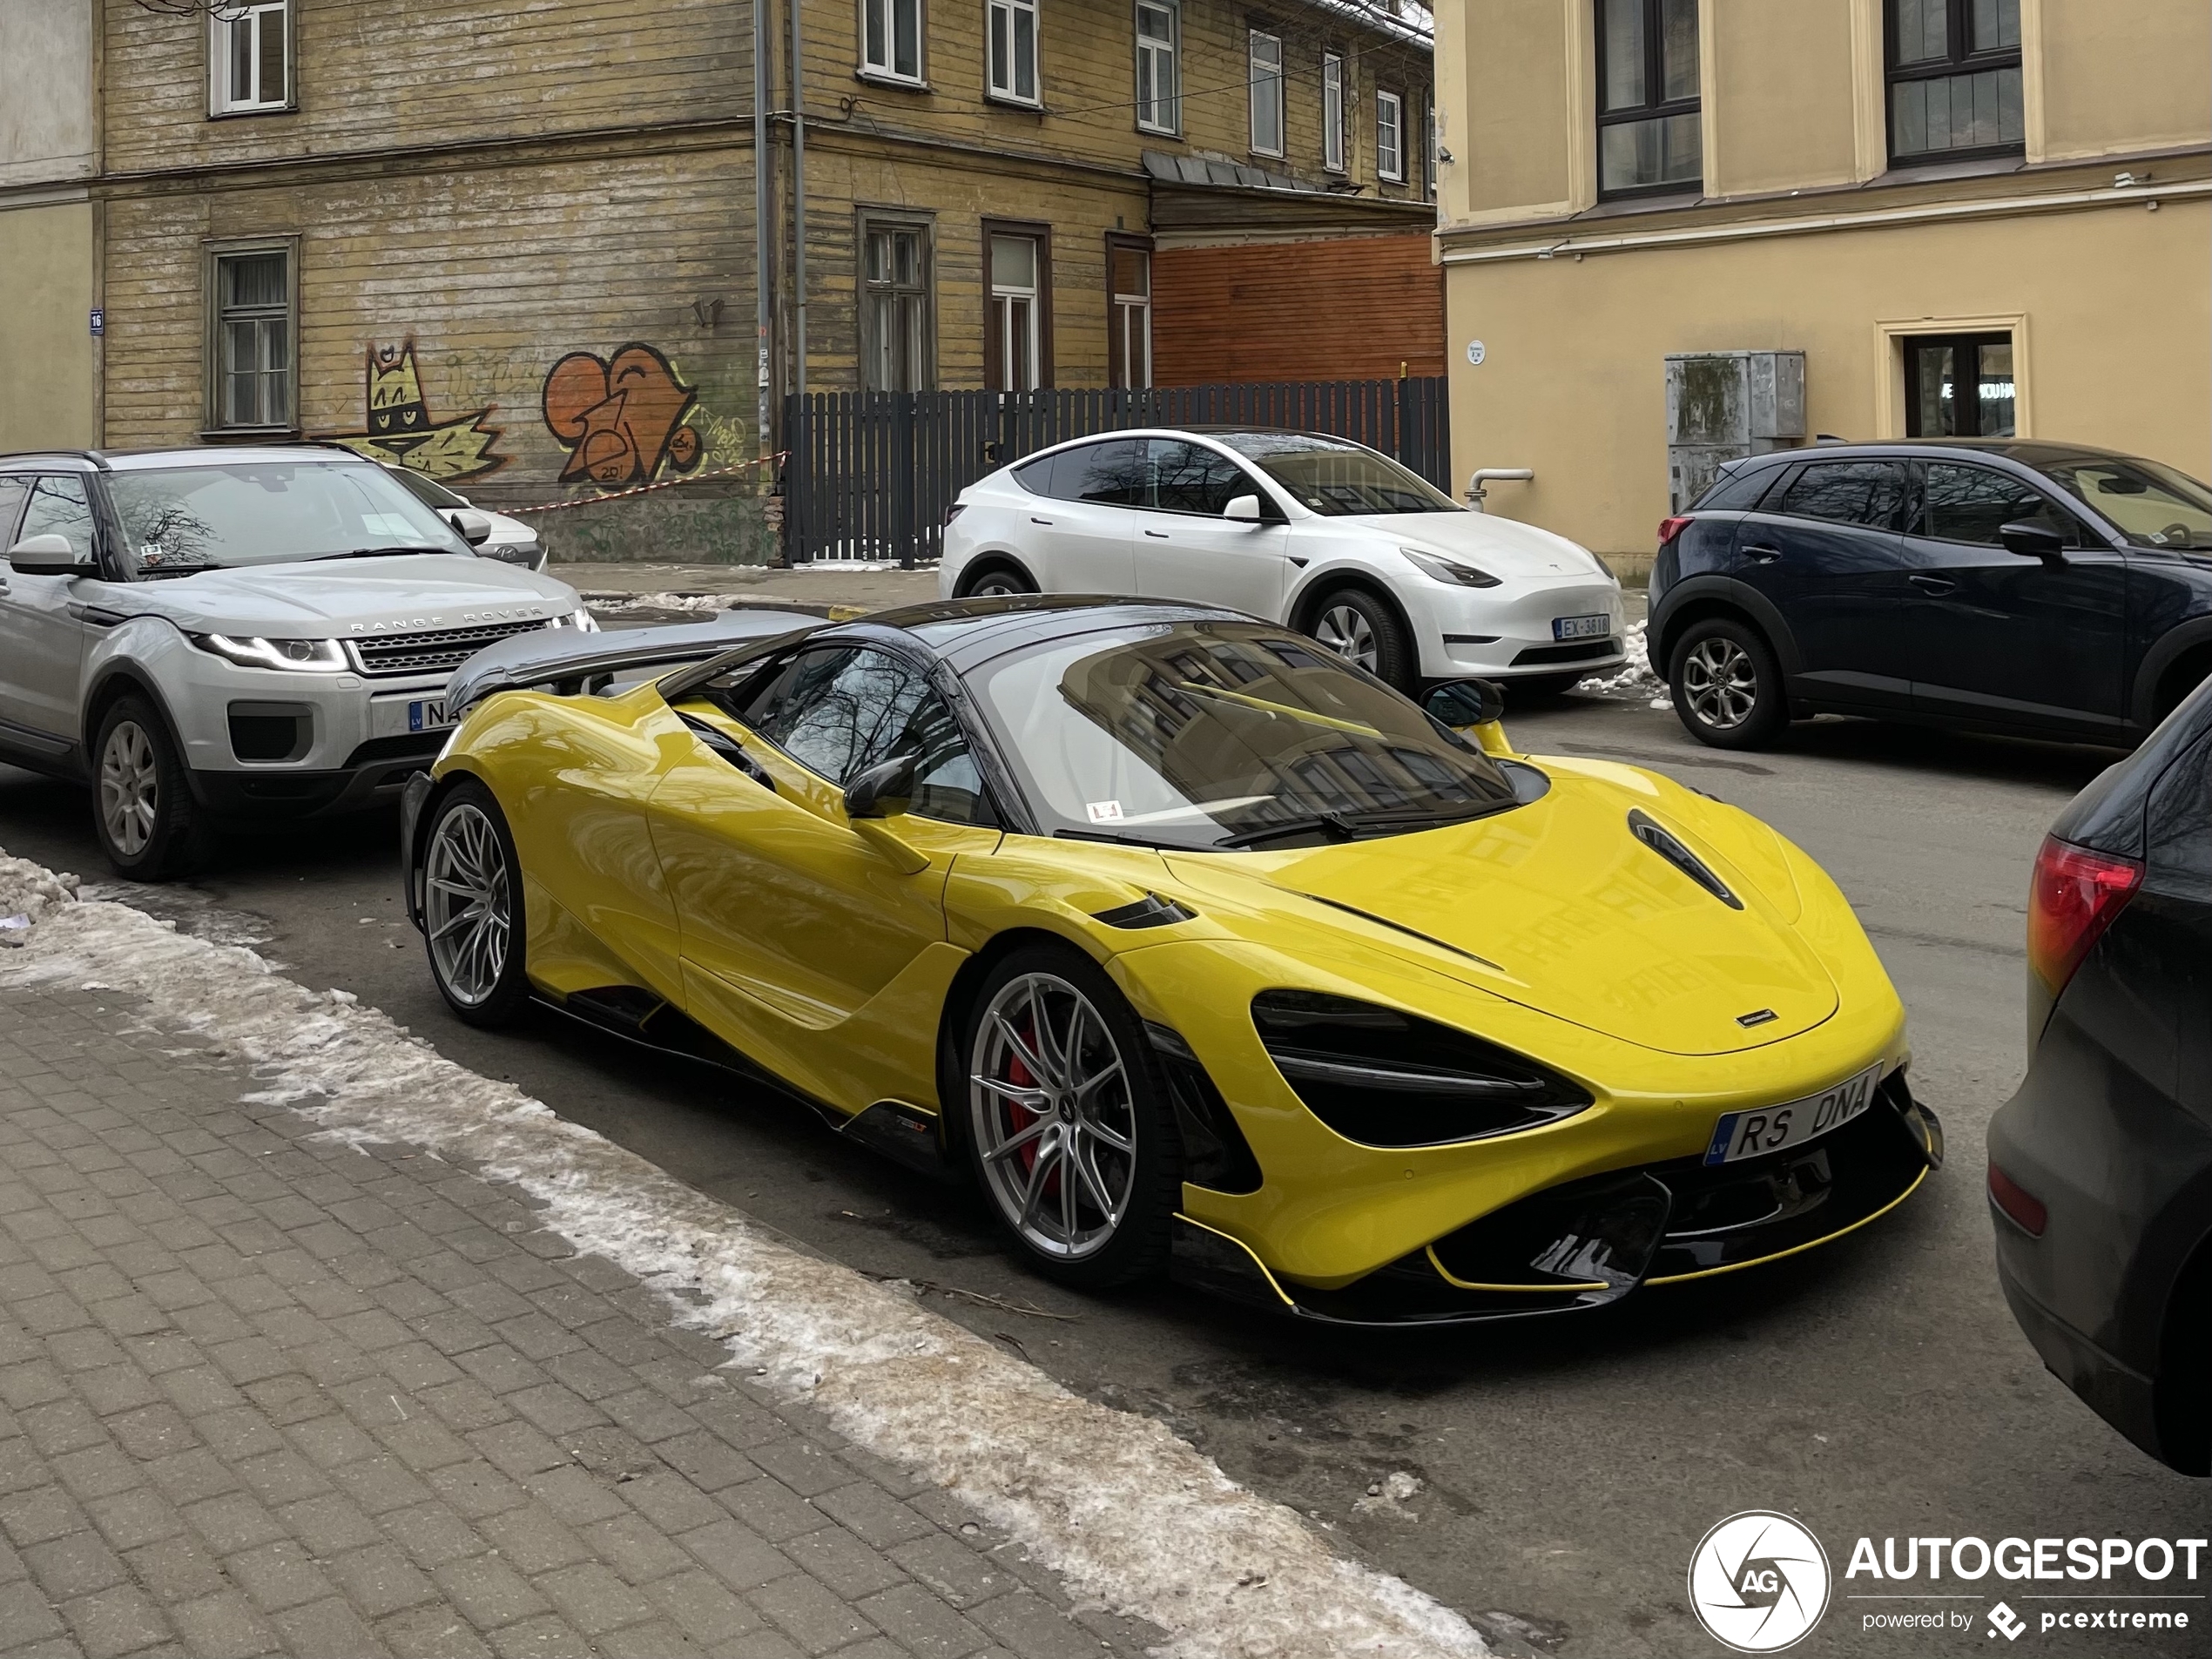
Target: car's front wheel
(472, 908)
(150, 826)
(1068, 1133)
(1363, 629)
(1727, 684)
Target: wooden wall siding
(1297, 311)
(377, 73)
(1087, 56)
(494, 275)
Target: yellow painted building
(1972, 217)
(48, 152)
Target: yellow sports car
(1195, 945)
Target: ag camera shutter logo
(1758, 1581)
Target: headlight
(579, 619)
(1460, 576)
(296, 655)
(1383, 1078)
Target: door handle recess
(1046, 523)
(1158, 536)
(1932, 583)
(1763, 555)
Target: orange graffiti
(621, 419)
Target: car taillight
(955, 511)
(2071, 901)
(2020, 1206)
(1670, 528)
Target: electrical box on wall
(1724, 405)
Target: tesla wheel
(1067, 1130)
(1727, 685)
(472, 910)
(999, 582)
(1361, 629)
(150, 826)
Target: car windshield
(220, 515)
(2150, 504)
(1337, 477)
(429, 491)
(1222, 735)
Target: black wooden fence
(871, 474)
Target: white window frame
(1390, 152)
(884, 15)
(256, 18)
(1333, 112)
(1151, 55)
(1022, 308)
(1265, 86)
(1002, 68)
(1129, 315)
(1435, 152)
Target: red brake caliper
(1020, 1117)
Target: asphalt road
(1566, 1470)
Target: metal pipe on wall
(799, 203)
(763, 216)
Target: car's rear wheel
(472, 908)
(1727, 685)
(150, 826)
(996, 582)
(1068, 1132)
(1363, 629)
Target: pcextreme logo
(1758, 1581)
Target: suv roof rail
(96, 457)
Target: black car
(2046, 589)
(2100, 1167)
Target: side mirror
(47, 555)
(2031, 540)
(884, 790)
(1459, 704)
(471, 525)
(1244, 509)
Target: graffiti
(400, 430)
(621, 419)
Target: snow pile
(1635, 676)
(30, 890)
(1130, 1516)
(691, 603)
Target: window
(1159, 98)
(2151, 505)
(1188, 478)
(1015, 350)
(1113, 472)
(250, 58)
(1432, 153)
(12, 490)
(1959, 386)
(1128, 314)
(1267, 93)
(253, 342)
(1333, 112)
(891, 39)
(1971, 504)
(59, 507)
(1389, 136)
(1647, 133)
(1847, 492)
(1013, 32)
(895, 332)
(1954, 79)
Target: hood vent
(1661, 841)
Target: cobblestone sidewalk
(262, 1393)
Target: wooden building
(531, 250)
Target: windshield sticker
(1104, 811)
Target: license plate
(391, 716)
(1775, 1129)
(1581, 627)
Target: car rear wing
(565, 663)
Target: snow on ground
(1128, 1515)
(1635, 677)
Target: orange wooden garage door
(1353, 309)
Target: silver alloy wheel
(466, 905)
(1049, 1099)
(129, 788)
(1344, 631)
(1720, 683)
(997, 585)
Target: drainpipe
(763, 216)
(798, 201)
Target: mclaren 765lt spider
(1194, 946)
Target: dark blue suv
(2048, 589)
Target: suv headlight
(1460, 576)
(296, 655)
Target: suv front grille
(389, 656)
